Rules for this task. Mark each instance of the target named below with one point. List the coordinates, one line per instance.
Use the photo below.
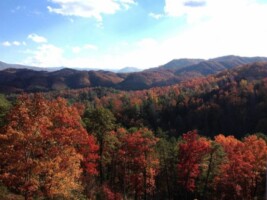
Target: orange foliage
(41, 148)
(244, 168)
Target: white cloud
(89, 8)
(90, 46)
(147, 43)
(155, 16)
(197, 10)
(46, 55)
(16, 43)
(76, 49)
(216, 28)
(37, 38)
(6, 44)
(85, 47)
(13, 43)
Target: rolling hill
(29, 80)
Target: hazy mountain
(17, 80)
(4, 65)
(128, 70)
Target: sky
(112, 34)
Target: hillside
(232, 102)
(217, 124)
(181, 70)
(18, 80)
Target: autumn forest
(201, 138)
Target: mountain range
(19, 78)
(4, 65)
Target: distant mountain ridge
(128, 70)
(175, 71)
(178, 64)
(4, 66)
(184, 69)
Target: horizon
(114, 34)
(56, 68)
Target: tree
(166, 180)
(245, 168)
(192, 151)
(99, 122)
(132, 164)
(210, 169)
(4, 108)
(42, 148)
(138, 164)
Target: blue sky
(138, 33)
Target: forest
(203, 138)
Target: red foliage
(244, 168)
(138, 164)
(191, 152)
(110, 195)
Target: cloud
(14, 43)
(199, 10)
(76, 50)
(193, 10)
(6, 44)
(155, 16)
(90, 46)
(37, 38)
(46, 55)
(85, 47)
(18, 8)
(49, 55)
(89, 8)
(195, 3)
(147, 42)
(234, 32)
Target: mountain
(4, 65)
(168, 74)
(128, 70)
(215, 65)
(18, 80)
(28, 80)
(178, 64)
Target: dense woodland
(199, 139)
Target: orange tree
(42, 148)
(243, 172)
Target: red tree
(138, 164)
(244, 167)
(192, 150)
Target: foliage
(41, 149)
(4, 108)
